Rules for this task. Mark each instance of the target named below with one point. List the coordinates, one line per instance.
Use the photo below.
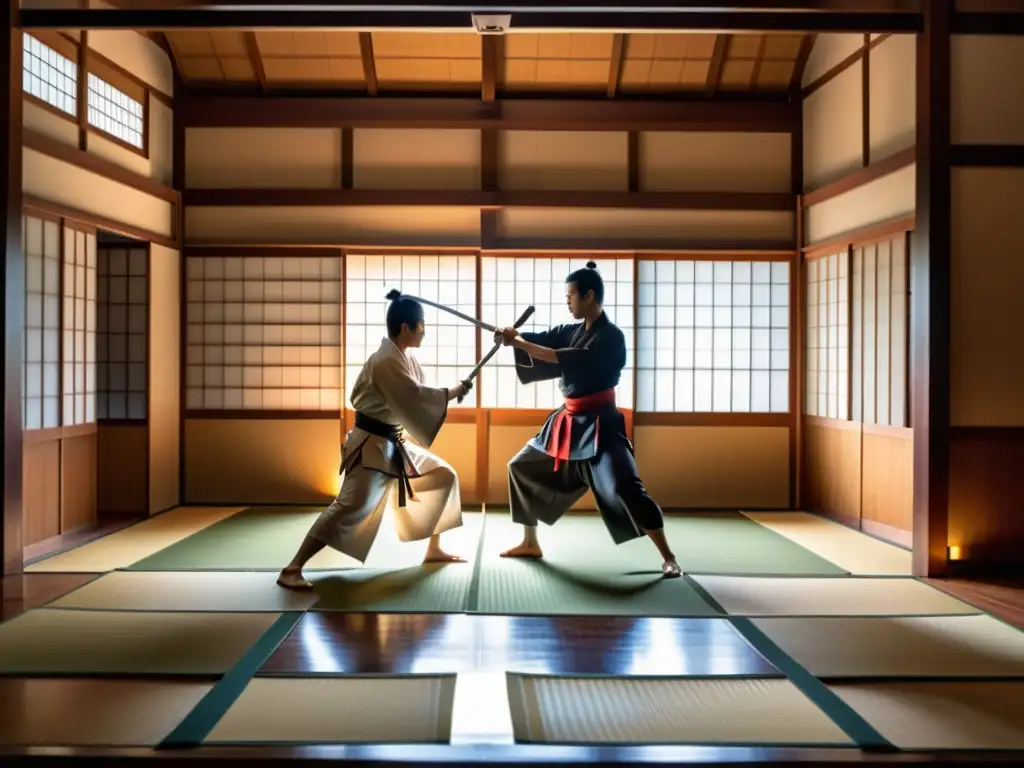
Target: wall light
(953, 552)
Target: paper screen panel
(511, 284)
(448, 351)
(41, 371)
(264, 333)
(828, 337)
(713, 336)
(79, 327)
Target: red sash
(560, 441)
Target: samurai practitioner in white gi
(389, 396)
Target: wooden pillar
(930, 251)
(11, 539)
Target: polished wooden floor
(346, 643)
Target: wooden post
(11, 536)
(930, 251)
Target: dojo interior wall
(859, 200)
(716, 462)
(987, 372)
(104, 185)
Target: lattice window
(79, 325)
(510, 284)
(448, 351)
(122, 353)
(41, 372)
(49, 76)
(827, 381)
(264, 333)
(115, 112)
(713, 336)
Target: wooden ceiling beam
(806, 46)
(757, 15)
(694, 201)
(717, 64)
(253, 47)
(369, 64)
(615, 66)
(207, 110)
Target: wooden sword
(494, 350)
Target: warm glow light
(954, 552)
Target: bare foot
(440, 556)
(524, 550)
(291, 578)
(670, 570)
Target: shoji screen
(448, 352)
(828, 330)
(41, 384)
(713, 336)
(264, 332)
(511, 284)
(123, 338)
(79, 326)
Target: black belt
(399, 459)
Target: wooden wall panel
(566, 160)
(987, 314)
(678, 161)
(888, 482)
(79, 462)
(892, 83)
(884, 199)
(164, 357)
(411, 158)
(424, 226)
(263, 158)
(828, 52)
(123, 468)
(727, 227)
(832, 468)
(833, 129)
(983, 113)
(59, 182)
(41, 490)
(41, 120)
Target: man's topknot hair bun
(591, 265)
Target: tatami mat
(380, 709)
(916, 646)
(933, 716)
(753, 596)
(53, 642)
(225, 591)
(49, 712)
(644, 710)
(854, 551)
(128, 546)
(429, 588)
(708, 542)
(266, 539)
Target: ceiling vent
(492, 24)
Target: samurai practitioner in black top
(582, 444)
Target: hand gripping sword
(527, 313)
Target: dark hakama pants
(537, 492)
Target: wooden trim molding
(234, 111)
(862, 236)
(985, 23)
(859, 178)
(647, 419)
(697, 201)
(100, 222)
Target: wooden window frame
(108, 72)
(69, 48)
